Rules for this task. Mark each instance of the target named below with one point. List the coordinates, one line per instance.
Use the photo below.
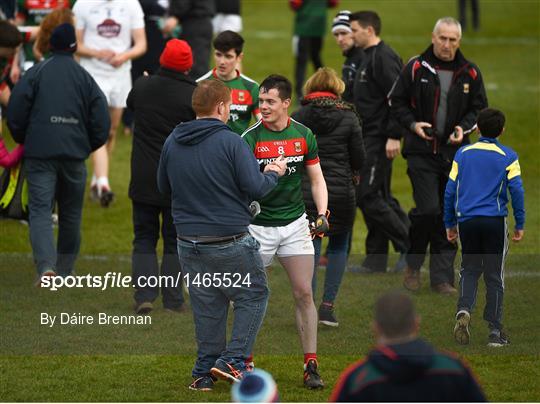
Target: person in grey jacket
(60, 115)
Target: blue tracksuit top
(481, 176)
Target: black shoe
(497, 338)
(144, 307)
(327, 316)
(461, 330)
(203, 383)
(312, 379)
(106, 198)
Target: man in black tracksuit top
(379, 69)
(58, 111)
(403, 367)
(437, 99)
(159, 102)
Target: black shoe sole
(329, 323)
(219, 374)
(319, 386)
(106, 198)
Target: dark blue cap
(63, 38)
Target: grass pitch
(153, 363)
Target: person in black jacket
(341, 29)
(403, 367)
(341, 151)
(195, 19)
(60, 115)
(159, 102)
(385, 219)
(436, 99)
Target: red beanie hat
(176, 56)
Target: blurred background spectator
(195, 19)
(309, 31)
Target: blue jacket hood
(194, 132)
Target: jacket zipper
(434, 118)
(499, 195)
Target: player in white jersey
(109, 34)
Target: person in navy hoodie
(60, 115)
(212, 177)
(475, 211)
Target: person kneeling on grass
(475, 202)
(403, 367)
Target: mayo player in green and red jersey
(282, 227)
(228, 54)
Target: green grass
(152, 363)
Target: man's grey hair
(448, 21)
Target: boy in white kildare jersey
(282, 227)
(105, 31)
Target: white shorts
(285, 241)
(116, 87)
(227, 22)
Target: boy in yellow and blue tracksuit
(476, 201)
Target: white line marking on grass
(522, 274)
(479, 41)
(127, 258)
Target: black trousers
(146, 226)
(198, 33)
(306, 48)
(385, 220)
(428, 174)
(463, 14)
(484, 244)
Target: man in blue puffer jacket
(60, 115)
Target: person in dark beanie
(476, 213)
(403, 367)
(60, 115)
(341, 29)
(159, 103)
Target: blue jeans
(63, 180)
(337, 261)
(210, 304)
